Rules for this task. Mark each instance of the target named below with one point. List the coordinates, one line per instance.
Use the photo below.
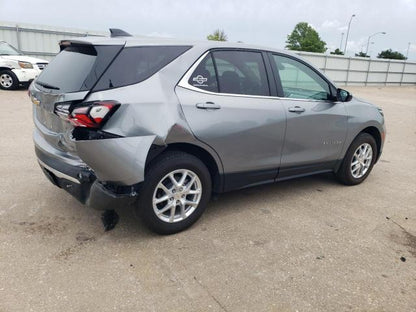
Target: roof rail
(115, 32)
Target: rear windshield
(77, 68)
(136, 64)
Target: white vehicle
(17, 69)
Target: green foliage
(337, 52)
(390, 54)
(362, 54)
(218, 35)
(305, 38)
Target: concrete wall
(363, 71)
(42, 41)
(39, 40)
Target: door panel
(316, 124)
(246, 132)
(315, 135)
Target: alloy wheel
(361, 160)
(177, 195)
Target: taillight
(92, 114)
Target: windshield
(7, 49)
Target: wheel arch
(195, 150)
(375, 133)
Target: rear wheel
(8, 80)
(359, 160)
(175, 193)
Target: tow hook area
(110, 197)
(110, 219)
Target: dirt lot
(304, 245)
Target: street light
(340, 45)
(368, 41)
(363, 45)
(407, 53)
(348, 33)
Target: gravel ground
(309, 244)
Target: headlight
(25, 64)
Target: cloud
(330, 24)
(343, 28)
(160, 34)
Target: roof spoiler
(115, 32)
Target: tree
(217, 35)
(337, 52)
(390, 54)
(362, 54)
(305, 38)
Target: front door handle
(296, 109)
(208, 105)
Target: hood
(24, 58)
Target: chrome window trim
(184, 84)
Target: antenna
(115, 32)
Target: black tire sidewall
(344, 174)
(158, 169)
(15, 83)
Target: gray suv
(162, 124)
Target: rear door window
(233, 72)
(241, 72)
(135, 64)
(204, 76)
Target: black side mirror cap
(343, 95)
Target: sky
(260, 22)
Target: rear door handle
(208, 105)
(296, 109)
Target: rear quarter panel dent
(120, 160)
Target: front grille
(41, 66)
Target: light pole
(363, 45)
(368, 41)
(407, 53)
(348, 33)
(340, 45)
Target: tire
(8, 80)
(158, 192)
(363, 153)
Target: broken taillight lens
(93, 114)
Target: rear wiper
(48, 86)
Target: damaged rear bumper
(82, 183)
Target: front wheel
(359, 160)
(175, 192)
(8, 80)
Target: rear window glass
(136, 64)
(77, 68)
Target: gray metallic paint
(245, 135)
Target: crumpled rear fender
(119, 160)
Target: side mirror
(343, 95)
